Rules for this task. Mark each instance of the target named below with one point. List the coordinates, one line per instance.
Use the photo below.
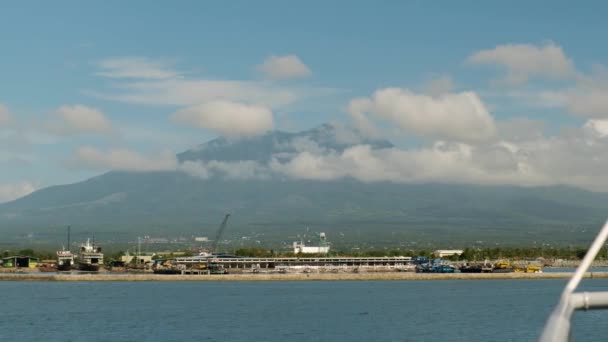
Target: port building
(329, 263)
(440, 253)
(140, 258)
(19, 262)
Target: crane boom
(219, 234)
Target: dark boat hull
(470, 269)
(64, 268)
(88, 267)
(168, 271)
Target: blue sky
(135, 63)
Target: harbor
(310, 260)
(249, 277)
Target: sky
(484, 93)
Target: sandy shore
(289, 277)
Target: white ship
(90, 258)
(65, 260)
(323, 248)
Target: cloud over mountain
(230, 119)
(452, 116)
(87, 157)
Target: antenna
(69, 238)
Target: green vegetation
(471, 254)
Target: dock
(294, 263)
(380, 276)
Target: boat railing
(558, 326)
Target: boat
(90, 258)
(502, 267)
(65, 260)
(437, 266)
(471, 269)
(167, 271)
(299, 247)
(47, 267)
(530, 268)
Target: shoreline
(291, 277)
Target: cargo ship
(90, 258)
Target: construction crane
(219, 234)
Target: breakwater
(290, 276)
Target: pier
(397, 276)
(285, 264)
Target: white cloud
(5, 115)
(284, 67)
(576, 159)
(246, 169)
(441, 162)
(520, 154)
(122, 160)
(597, 127)
(9, 192)
(357, 108)
(458, 116)
(181, 92)
(227, 118)
(520, 129)
(523, 61)
(135, 67)
(79, 119)
(588, 98)
(139, 80)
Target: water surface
(477, 310)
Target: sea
(440, 310)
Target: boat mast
(69, 238)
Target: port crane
(219, 234)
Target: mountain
(121, 205)
(277, 143)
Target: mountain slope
(352, 212)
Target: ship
(323, 248)
(65, 258)
(90, 258)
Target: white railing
(558, 325)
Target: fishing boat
(90, 258)
(530, 268)
(470, 268)
(437, 266)
(502, 266)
